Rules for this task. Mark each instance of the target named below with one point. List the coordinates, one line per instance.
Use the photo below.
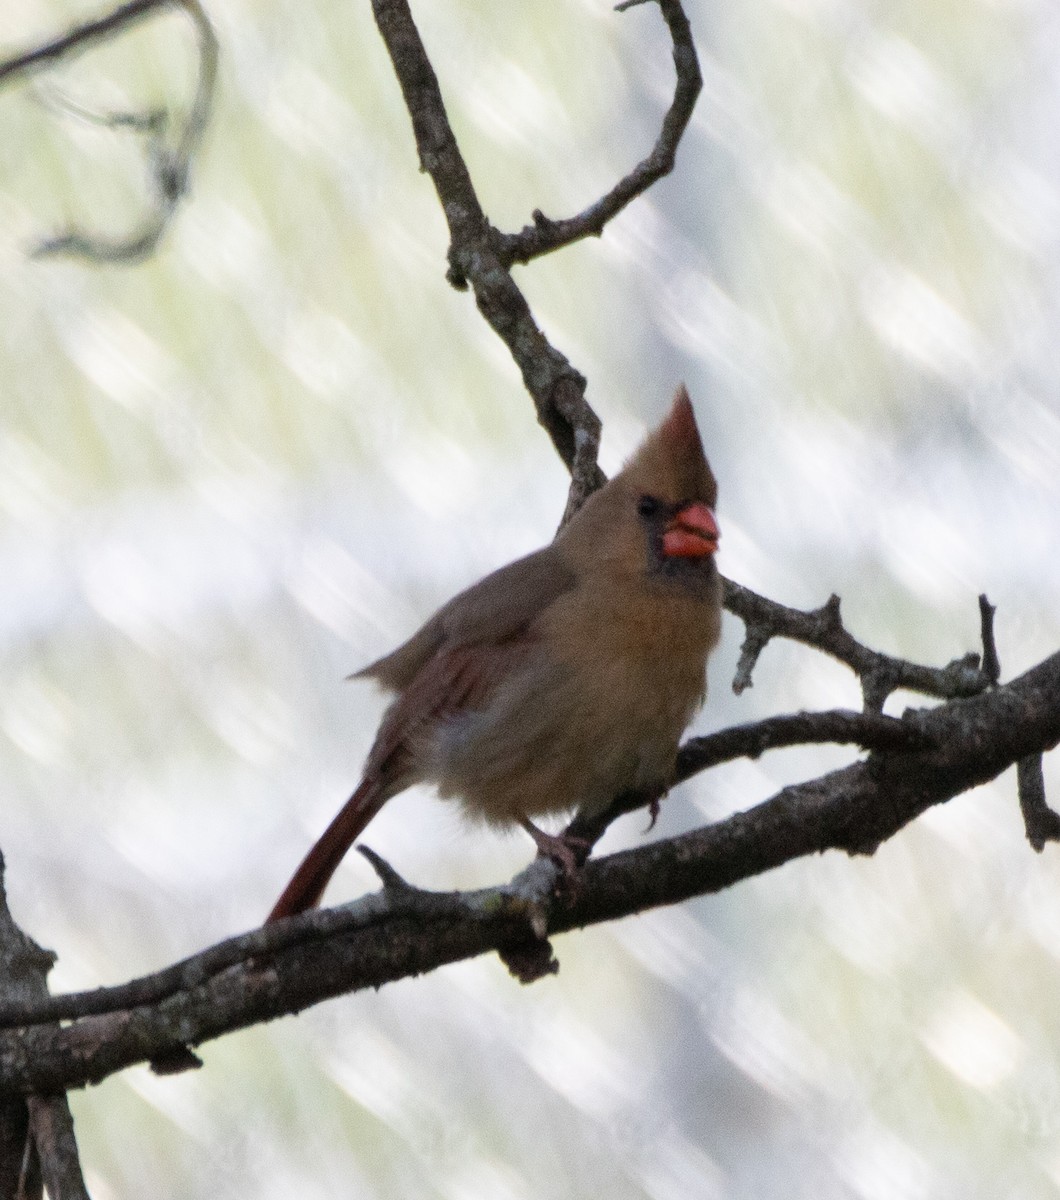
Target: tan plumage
(562, 679)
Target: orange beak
(692, 533)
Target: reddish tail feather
(309, 881)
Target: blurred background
(233, 474)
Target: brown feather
(453, 680)
(316, 869)
(497, 607)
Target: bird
(561, 680)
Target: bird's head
(658, 511)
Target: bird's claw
(566, 851)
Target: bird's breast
(633, 660)
(596, 706)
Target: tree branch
(400, 932)
(823, 628)
(557, 389)
(482, 256)
(78, 39)
(546, 235)
(1040, 821)
(169, 158)
(37, 1144)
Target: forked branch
(481, 256)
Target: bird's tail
(309, 881)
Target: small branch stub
(1040, 821)
(388, 877)
(991, 666)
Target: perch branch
(401, 932)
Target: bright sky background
(233, 474)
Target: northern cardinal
(562, 679)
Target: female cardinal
(564, 678)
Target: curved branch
(482, 256)
(546, 235)
(170, 165)
(867, 731)
(870, 731)
(400, 932)
(79, 38)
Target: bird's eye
(647, 506)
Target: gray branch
(823, 628)
(400, 931)
(546, 234)
(37, 1144)
(482, 256)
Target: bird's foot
(569, 853)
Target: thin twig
(78, 39)
(169, 165)
(822, 628)
(546, 234)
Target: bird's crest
(671, 463)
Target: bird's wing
(494, 610)
(458, 678)
(455, 679)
